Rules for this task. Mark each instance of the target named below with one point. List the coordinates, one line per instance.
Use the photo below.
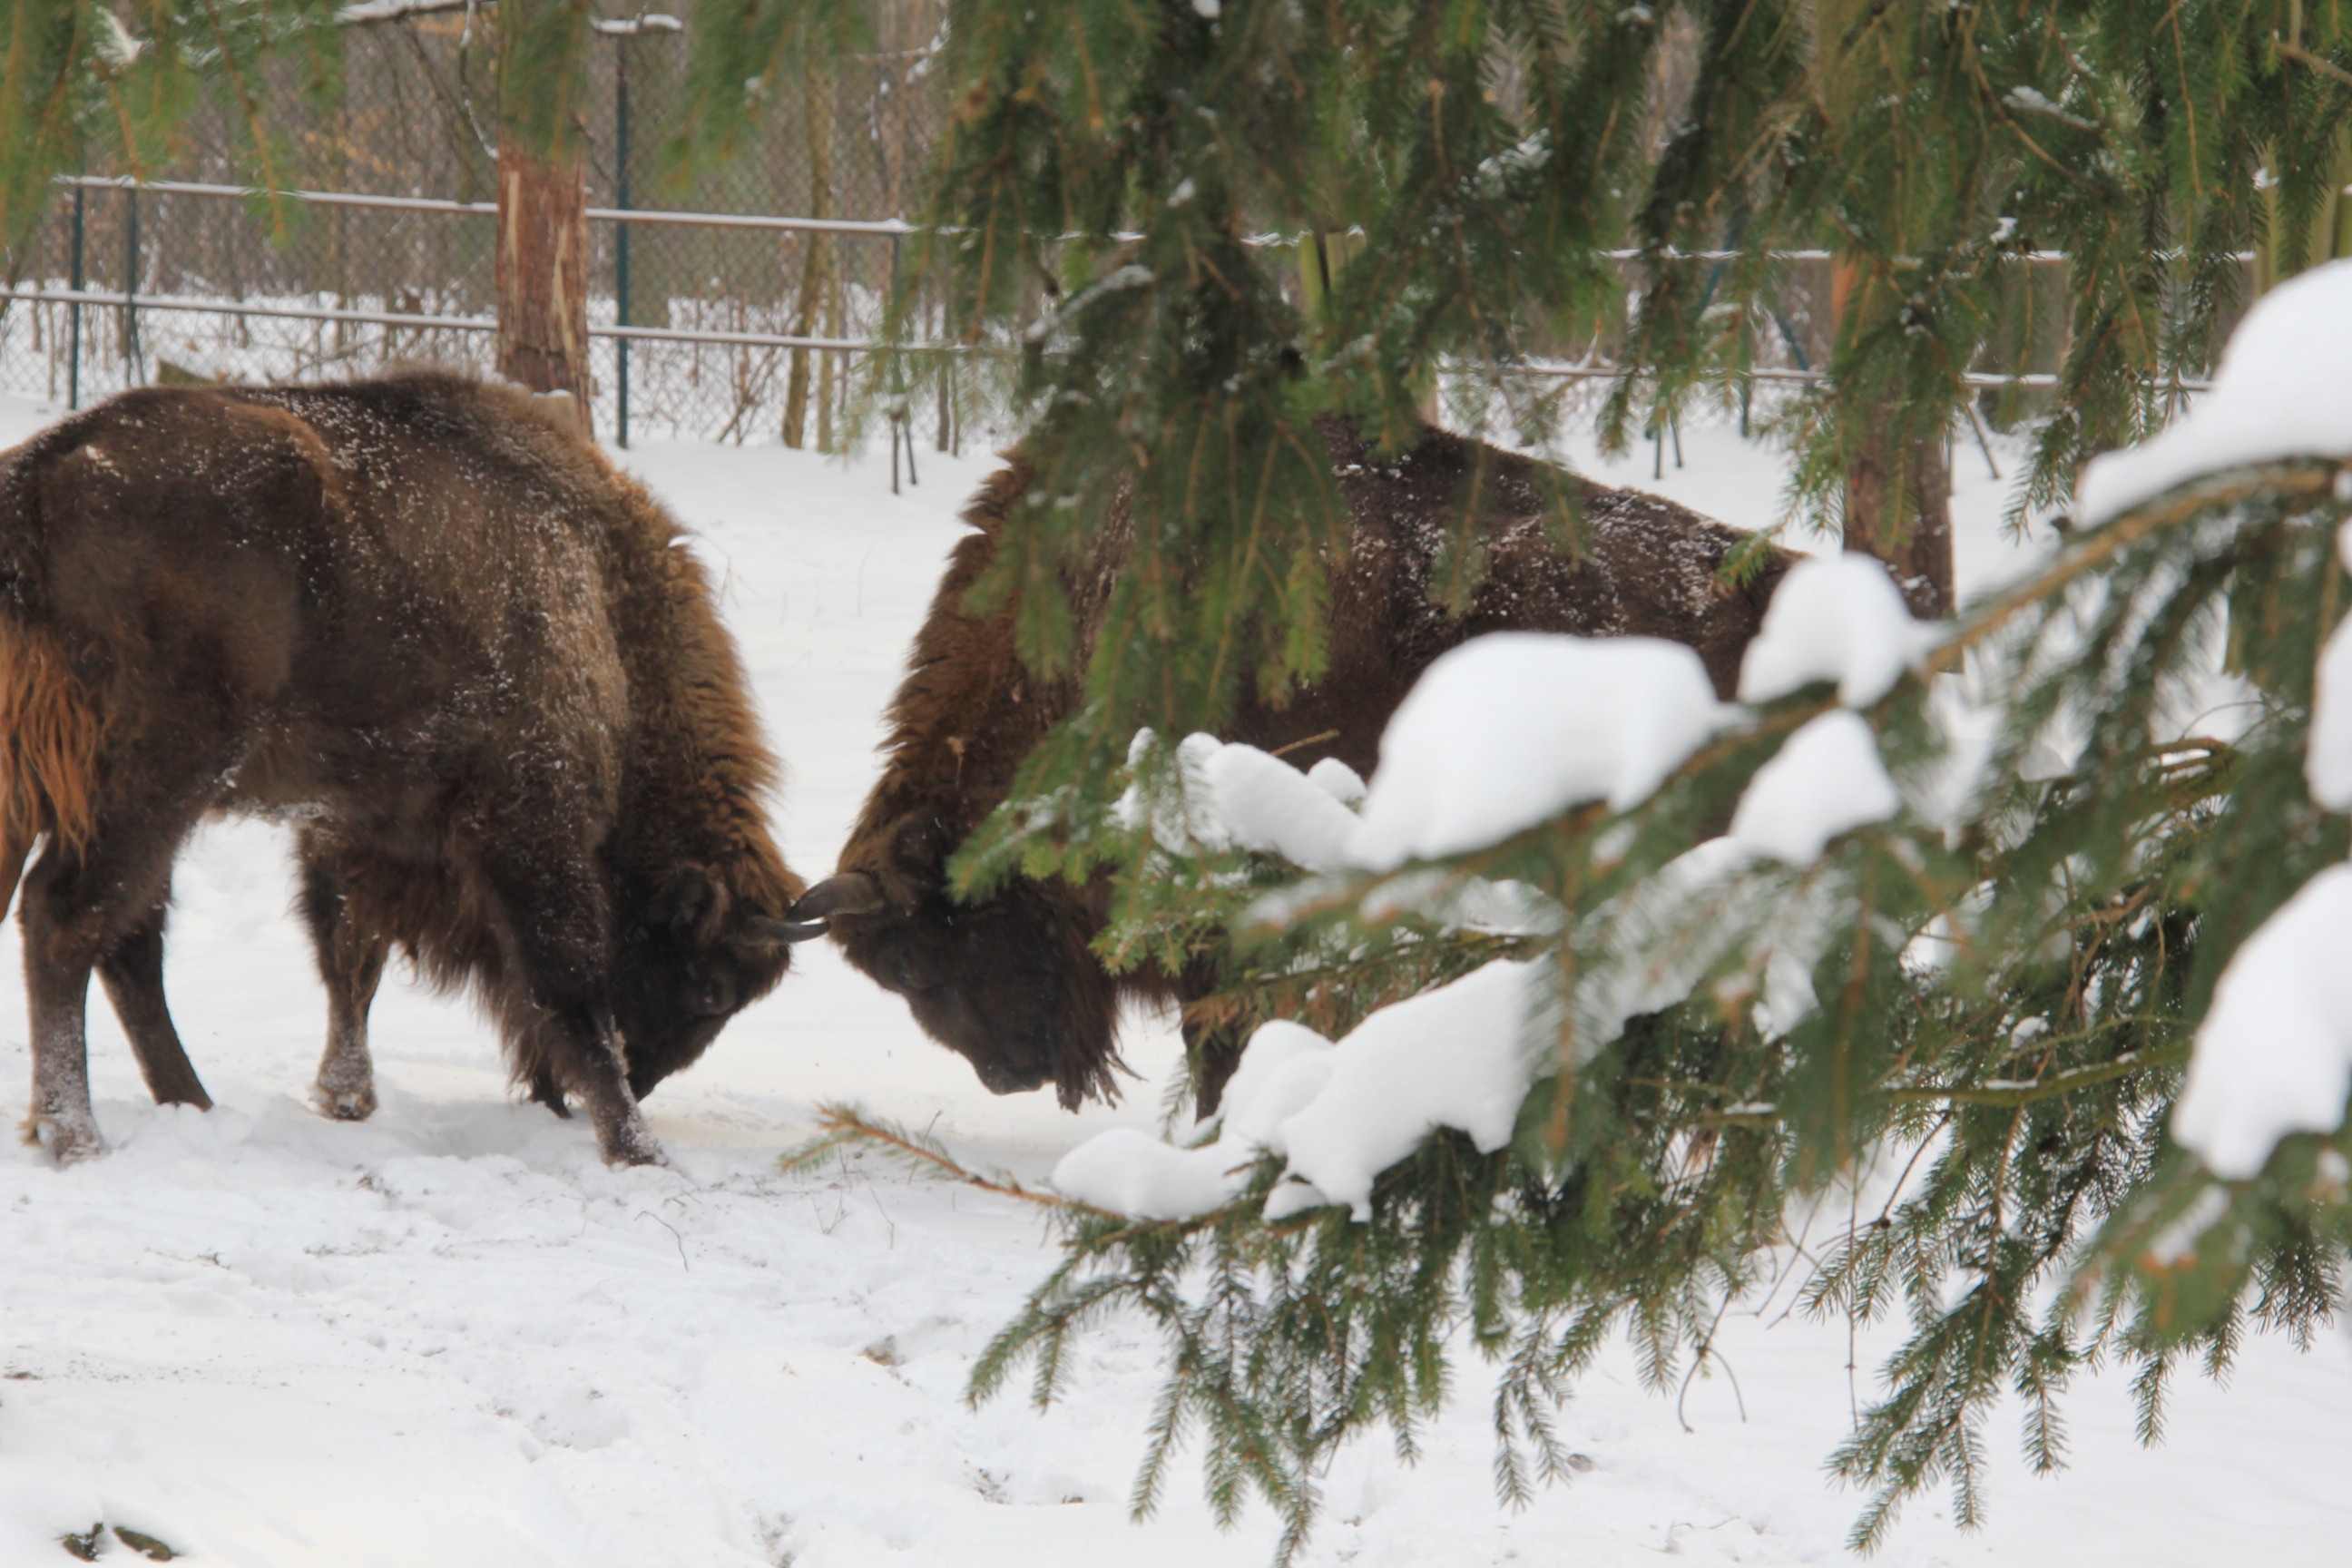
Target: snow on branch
(2273, 1056)
(2280, 392)
(1455, 1056)
(1514, 728)
(1838, 618)
(362, 11)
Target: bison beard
(1009, 980)
(446, 637)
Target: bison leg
(350, 964)
(78, 908)
(59, 947)
(1212, 1054)
(132, 974)
(560, 948)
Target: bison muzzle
(473, 665)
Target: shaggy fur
(1010, 981)
(438, 632)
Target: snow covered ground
(451, 1336)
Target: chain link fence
(704, 325)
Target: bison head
(691, 959)
(1006, 981)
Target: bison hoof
(645, 1153)
(346, 1104)
(67, 1139)
(631, 1146)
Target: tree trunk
(1898, 493)
(1911, 533)
(818, 280)
(542, 275)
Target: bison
(473, 665)
(1009, 981)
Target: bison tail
(49, 749)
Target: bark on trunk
(818, 282)
(1914, 536)
(1898, 494)
(542, 275)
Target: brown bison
(1009, 981)
(471, 663)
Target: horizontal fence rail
(728, 355)
(723, 363)
(886, 227)
(433, 324)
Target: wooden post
(541, 273)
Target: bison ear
(691, 899)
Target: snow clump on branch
(1341, 1114)
(1511, 729)
(2273, 1056)
(1838, 618)
(2280, 392)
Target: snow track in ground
(450, 1337)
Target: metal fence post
(621, 32)
(900, 424)
(130, 291)
(73, 311)
(621, 238)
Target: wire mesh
(290, 288)
(413, 122)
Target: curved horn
(786, 933)
(849, 893)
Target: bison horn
(786, 933)
(850, 893)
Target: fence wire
(412, 124)
(181, 285)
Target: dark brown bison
(471, 663)
(1009, 981)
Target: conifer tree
(2003, 988)
(87, 84)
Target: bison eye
(714, 998)
(908, 972)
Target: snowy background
(451, 1336)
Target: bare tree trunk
(832, 384)
(1898, 493)
(818, 280)
(542, 275)
(1911, 531)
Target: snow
(2279, 392)
(1134, 1173)
(1453, 1056)
(1237, 796)
(2327, 759)
(1826, 779)
(1271, 806)
(1515, 727)
(1284, 1068)
(1337, 780)
(1838, 618)
(450, 1336)
(1648, 948)
(2274, 1053)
